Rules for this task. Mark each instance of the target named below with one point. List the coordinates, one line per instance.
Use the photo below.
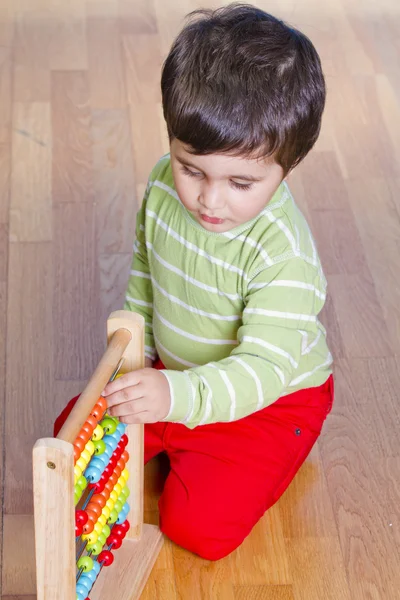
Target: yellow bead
(90, 537)
(105, 512)
(98, 528)
(90, 447)
(117, 488)
(75, 479)
(77, 471)
(121, 481)
(114, 496)
(102, 520)
(81, 463)
(110, 504)
(98, 433)
(125, 474)
(86, 456)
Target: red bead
(115, 541)
(125, 525)
(106, 557)
(119, 531)
(120, 447)
(80, 517)
(99, 486)
(124, 439)
(108, 471)
(78, 529)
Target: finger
(125, 395)
(127, 380)
(129, 408)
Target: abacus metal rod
(95, 386)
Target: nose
(211, 197)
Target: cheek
(185, 189)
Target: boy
(226, 273)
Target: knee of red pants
(195, 531)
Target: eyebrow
(187, 163)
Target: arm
(139, 294)
(281, 308)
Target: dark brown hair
(238, 80)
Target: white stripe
(304, 341)
(254, 375)
(141, 227)
(289, 283)
(139, 302)
(191, 336)
(279, 315)
(195, 282)
(140, 274)
(150, 352)
(285, 230)
(179, 360)
(253, 243)
(171, 393)
(192, 309)
(297, 238)
(194, 248)
(207, 410)
(149, 325)
(231, 392)
(166, 188)
(313, 344)
(301, 378)
(280, 374)
(275, 349)
(189, 413)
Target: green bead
(106, 531)
(96, 548)
(77, 497)
(125, 492)
(118, 505)
(82, 482)
(102, 539)
(113, 516)
(99, 446)
(109, 425)
(85, 563)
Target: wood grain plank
(29, 365)
(5, 94)
(30, 201)
(263, 592)
(105, 56)
(323, 183)
(146, 140)
(305, 508)
(72, 147)
(5, 182)
(137, 17)
(352, 442)
(364, 332)
(19, 562)
(79, 336)
(68, 47)
(318, 569)
(114, 275)
(3, 333)
(114, 186)
(143, 69)
(32, 56)
(7, 23)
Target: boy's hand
(139, 397)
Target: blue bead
(96, 567)
(96, 462)
(104, 459)
(107, 452)
(121, 429)
(80, 589)
(86, 582)
(91, 575)
(92, 474)
(80, 596)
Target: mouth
(212, 220)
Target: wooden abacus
(55, 476)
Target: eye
(190, 173)
(245, 187)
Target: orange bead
(77, 454)
(90, 424)
(105, 493)
(102, 402)
(117, 470)
(94, 511)
(88, 526)
(125, 456)
(99, 499)
(97, 412)
(79, 444)
(109, 486)
(114, 479)
(84, 436)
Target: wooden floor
(80, 129)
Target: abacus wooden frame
(53, 485)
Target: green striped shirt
(233, 316)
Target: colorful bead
(106, 557)
(85, 563)
(98, 433)
(108, 425)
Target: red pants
(224, 476)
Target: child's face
(223, 191)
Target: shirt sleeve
(280, 311)
(139, 294)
